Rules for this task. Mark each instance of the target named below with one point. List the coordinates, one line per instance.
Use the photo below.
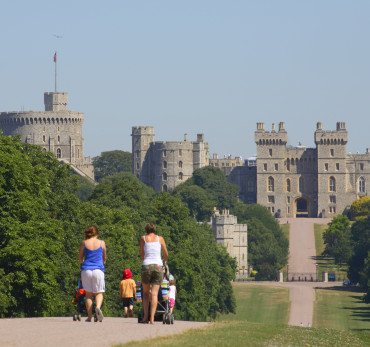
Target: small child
(173, 292)
(127, 289)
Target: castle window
(288, 199)
(288, 188)
(180, 163)
(361, 166)
(271, 199)
(59, 153)
(137, 166)
(164, 188)
(301, 184)
(180, 152)
(43, 138)
(44, 150)
(332, 187)
(276, 166)
(164, 153)
(265, 167)
(332, 152)
(288, 165)
(270, 152)
(165, 165)
(326, 166)
(332, 199)
(271, 184)
(180, 176)
(164, 176)
(272, 209)
(292, 161)
(337, 166)
(361, 185)
(58, 138)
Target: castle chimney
(261, 126)
(281, 126)
(341, 126)
(273, 127)
(185, 137)
(200, 137)
(318, 126)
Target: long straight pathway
(302, 254)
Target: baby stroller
(80, 301)
(163, 306)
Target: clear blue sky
(194, 66)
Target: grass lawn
(260, 304)
(261, 310)
(327, 263)
(341, 308)
(257, 334)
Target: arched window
(180, 176)
(332, 187)
(165, 165)
(164, 176)
(180, 163)
(59, 153)
(271, 184)
(44, 150)
(164, 188)
(301, 184)
(288, 164)
(361, 185)
(288, 185)
(58, 138)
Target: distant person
(92, 256)
(127, 292)
(151, 248)
(309, 325)
(173, 292)
(301, 325)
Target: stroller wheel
(164, 318)
(74, 317)
(79, 317)
(172, 319)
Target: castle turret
(142, 137)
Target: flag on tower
(55, 57)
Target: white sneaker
(99, 314)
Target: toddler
(127, 289)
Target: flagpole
(55, 60)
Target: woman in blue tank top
(92, 256)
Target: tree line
(347, 240)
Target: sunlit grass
(260, 304)
(341, 308)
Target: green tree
(268, 247)
(199, 202)
(360, 208)
(360, 237)
(111, 162)
(337, 238)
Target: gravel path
(63, 331)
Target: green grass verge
(286, 231)
(327, 263)
(341, 308)
(260, 304)
(258, 334)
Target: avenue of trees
(41, 227)
(349, 242)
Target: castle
(164, 165)
(290, 181)
(56, 130)
(234, 237)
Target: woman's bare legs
(98, 299)
(154, 302)
(89, 305)
(146, 289)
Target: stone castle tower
(164, 165)
(234, 237)
(308, 182)
(56, 130)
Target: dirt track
(63, 331)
